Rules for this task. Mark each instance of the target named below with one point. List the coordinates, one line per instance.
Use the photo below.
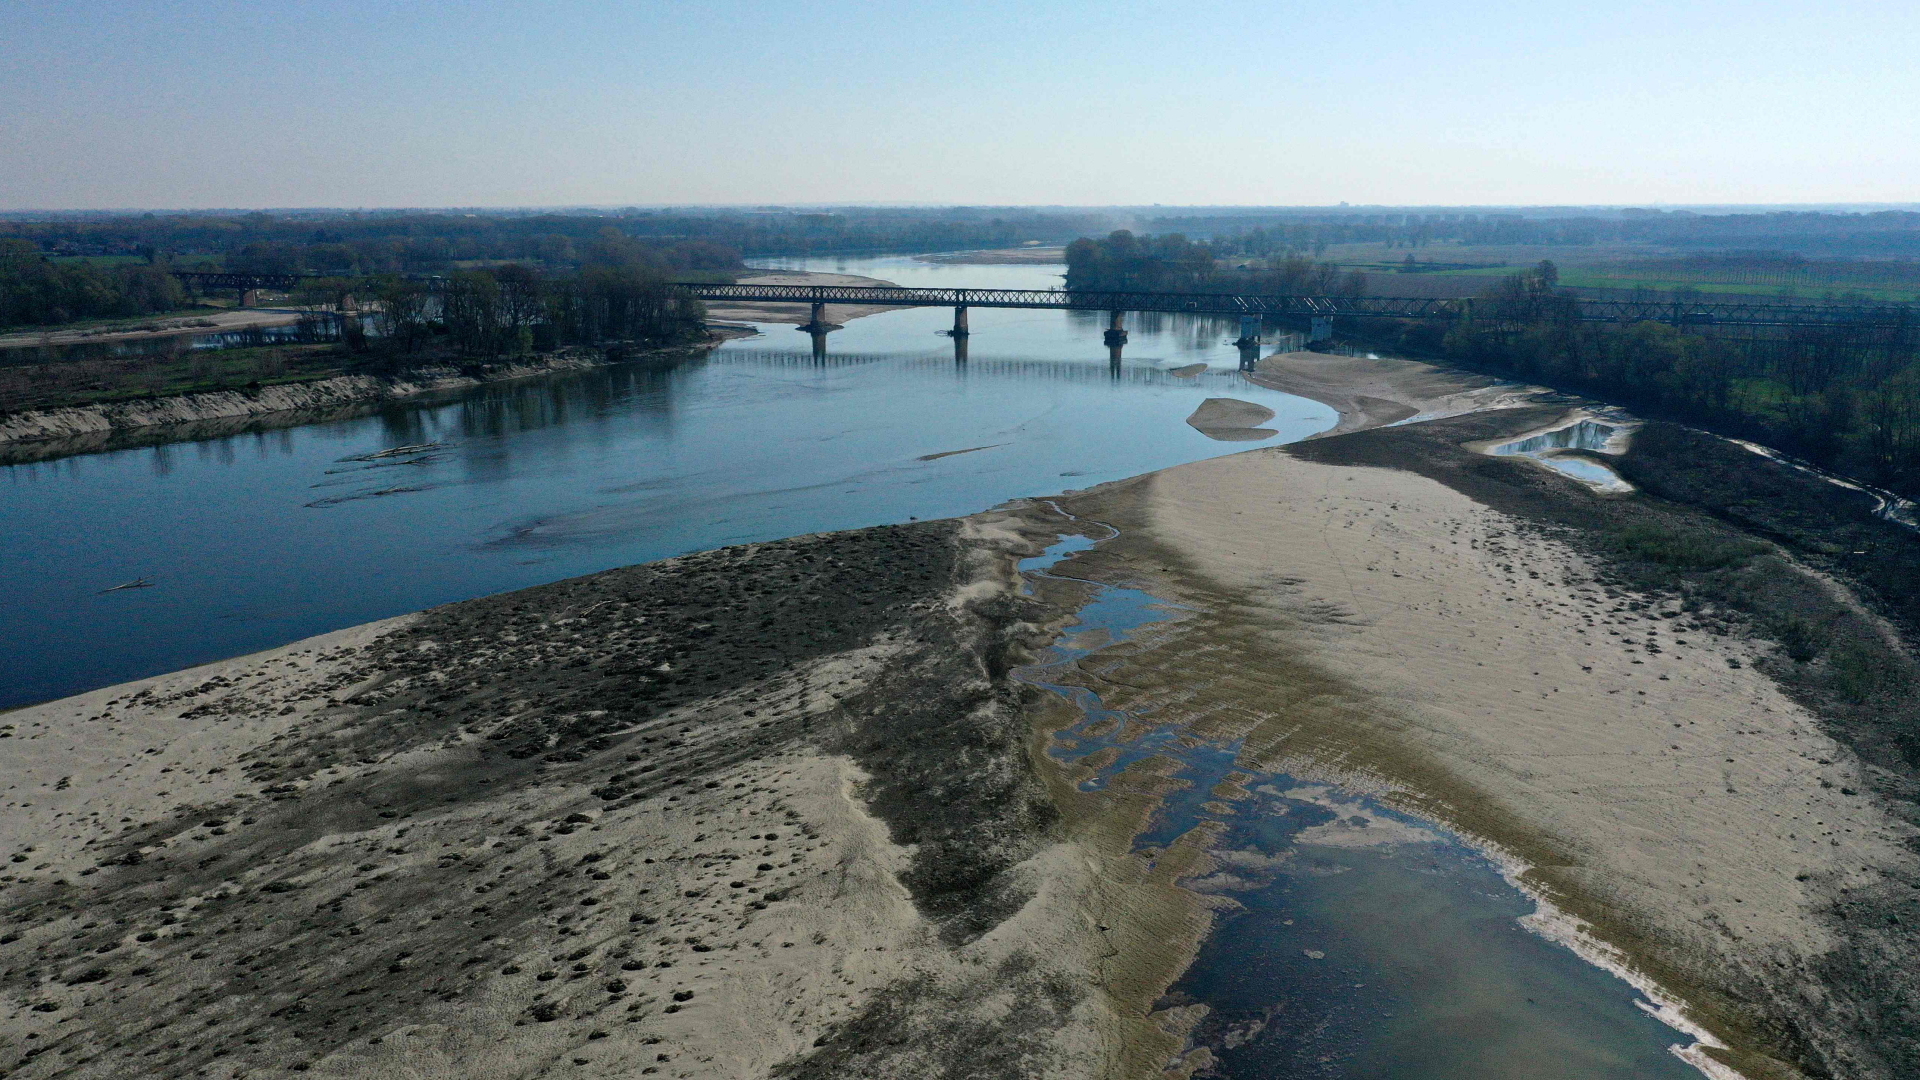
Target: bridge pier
(249, 297)
(960, 321)
(960, 350)
(1322, 328)
(1249, 354)
(817, 321)
(1249, 330)
(1116, 332)
(819, 341)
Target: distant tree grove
(1172, 263)
(35, 290)
(1843, 397)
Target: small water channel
(1365, 944)
(1592, 436)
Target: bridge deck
(1366, 307)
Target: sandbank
(797, 314)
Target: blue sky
(397, 103)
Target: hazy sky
(140, 103)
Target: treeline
(512, 310)
(1262, 234)
(440, 254)
(1172, 263)
(343, 242)
(1847, 398)
(36, 291)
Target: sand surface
(1379, 628)
(1231, 420)
(785, 809)
(629, 824)
(221, 321)
(1373, 392)
(1017, 256)
(797, 314)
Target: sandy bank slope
(797, 313)
(757, 809)
(1380, 626)
(1371, 393)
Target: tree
(401, 312)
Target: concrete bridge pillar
(960, 321)
(1249, 354)
(960, 350)
(819, 341)
(1116, 332)
(1322, 328)
(1249, 330)
(249, 297)
(817, 320)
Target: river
(256, 540)
(1399, 957)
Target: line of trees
(513, 310)
(355, 243)
(37, 291)
(1173, 263)
(1265, 233)
(1844, 397)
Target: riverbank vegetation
(1847, 398)
(674, 242)
(473, 317)
(35, 290)
(1173, 263)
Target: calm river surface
(256, 540)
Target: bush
(1683, 549)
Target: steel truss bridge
(1691, 312)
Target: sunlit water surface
(252, 541)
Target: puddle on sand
(1363, 942)
(1589, 435)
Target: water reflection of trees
(586, 405)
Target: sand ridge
(631, 824)
(1372, 392)
(1374, 626)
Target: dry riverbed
(785, 810)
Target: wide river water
(256, 540)
(1397, 957)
